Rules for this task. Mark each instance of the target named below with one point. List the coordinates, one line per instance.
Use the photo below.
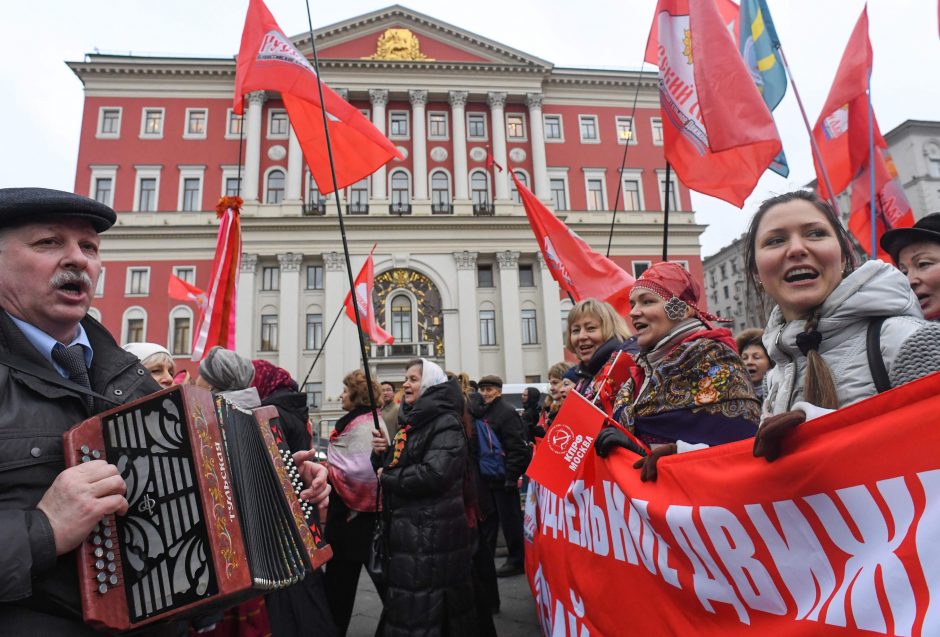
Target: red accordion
(214, 515)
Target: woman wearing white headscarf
(428, 535)
(157, 359)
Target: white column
(419, 143)
(289, 336)
(508, 263)
(253, 128)
(379, 98)
(537, 139)
(467, 313)
(295, 170)
(497, 101)
(452, 350)
(458, 101)
(245, 306)
(551, 315)
(335, 287)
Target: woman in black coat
(429, 539)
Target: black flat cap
(18, 205)
(926, 229)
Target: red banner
(838, 537)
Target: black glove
(538, 432)
(772, 432)
(648, 464)
(610, 437)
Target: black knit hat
(27, 204)
(927, 229)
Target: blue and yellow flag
(759, 48)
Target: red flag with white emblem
(362, 292)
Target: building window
(134, 330)
(104, 190)
(595, 194)
(631, 195)
(487, 327)
(278, 124)
(437, 125)
(476, 125)
(515, 126)
(639, 267)
(196, 122)
(233, 125)
(552, 126)
(274, 186)
(185, 273)
(726, 292)
(625, 130)
(673, 205)
(440, 192)
(398, 124)
(588, 127)
(138, 282)
(401, 191)
(484, 276)
(270, 279)
(151, 125)
(192, 195)
(314, 332)
(314, 393)
(109, 123)
(359, 197)
(232, 186)
(933, 166)
(401, 319)
(314, 277)
(526, 276)
(657, 125)
(524, 180)
(559, 192)
(147, 194)
(99, 285)
(530, 335)
(480, 188)
(181, 321)
(268, 333)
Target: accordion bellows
(214, 515)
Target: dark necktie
(72, 360)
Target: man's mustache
(71, 276)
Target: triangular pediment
(397, 34)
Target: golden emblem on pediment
(398, 44)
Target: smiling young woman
(595, 333)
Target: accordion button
(109, 556)
(99, 565)
(96, 540)
(107, 531)
(102, 577)
(35, 452)
(86, 458)
(108, 544)
(99, 552)
(113, 579)
(95, 454)
(85, 449)
(112, 567)
(102, 588)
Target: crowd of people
(421, 476)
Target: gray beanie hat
(225, 370)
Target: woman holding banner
(838, 332)
(690, 388)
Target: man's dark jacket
(39, 592)
(507, 425)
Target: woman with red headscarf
(690, 388)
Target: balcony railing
(314, 209)
(484, 209)
(357, 208)
(403, 350)
(442, 209)
(399, 209)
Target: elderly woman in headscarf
(428, 534)
(157, 359)
(690, 388)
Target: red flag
(182, 291)
(841, 132)
(268, 60)
(578, 270)
(363, 290)
(718, 134)
(490, 161)
(216, 324)
(892, 209)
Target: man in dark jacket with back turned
(506, 424)
(58, 366)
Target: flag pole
(342, 227)
(809, 131)
(667, 198)
(323, 345)
(871, 172)
(623, 162)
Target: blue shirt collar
(44, 343)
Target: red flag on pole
(217, 322)
(363, 294)
(490, 161)
(578, 269)
(267, 60)
(182, 291)
(718, 134)
(893, 208)
(841, 132)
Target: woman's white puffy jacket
(874, 290)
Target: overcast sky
(41, 106)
